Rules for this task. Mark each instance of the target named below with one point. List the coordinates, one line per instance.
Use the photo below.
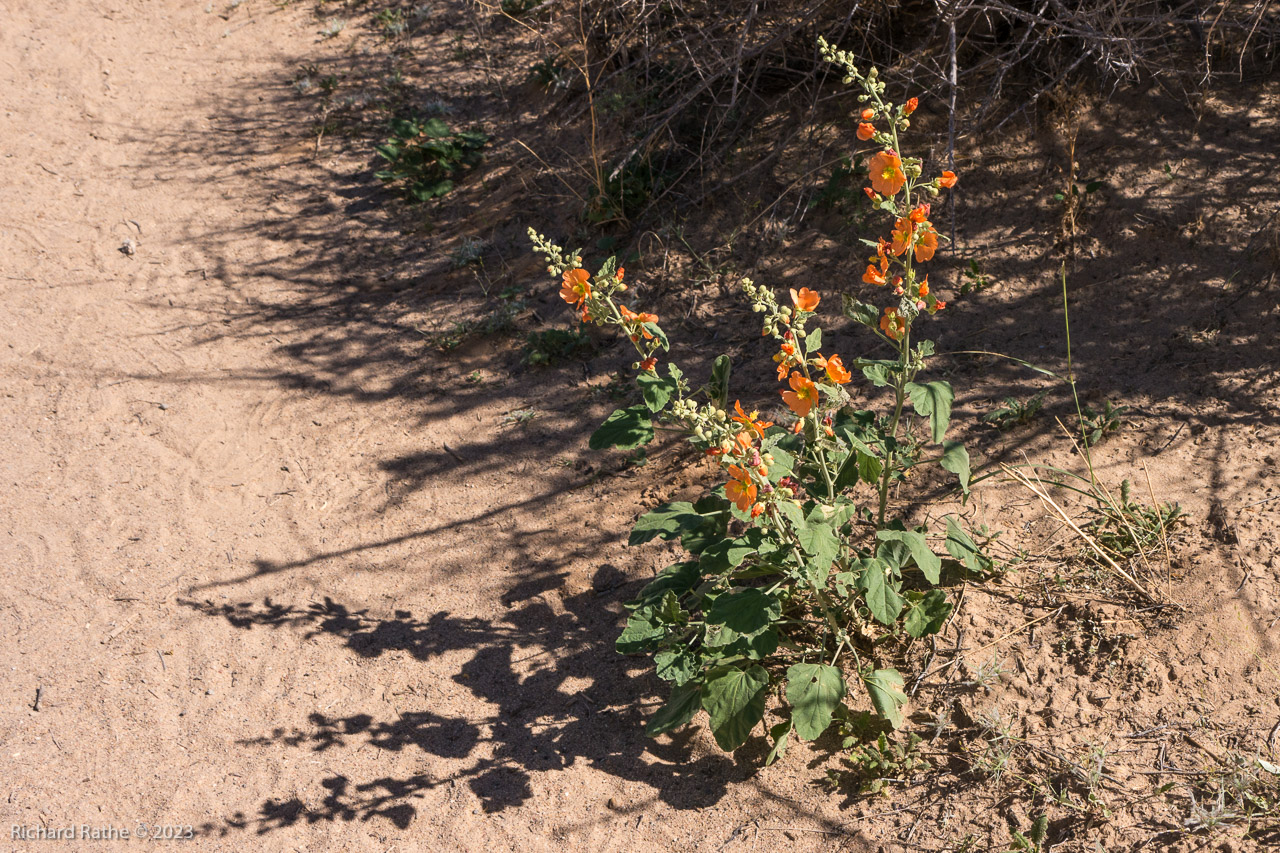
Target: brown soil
(278, 569)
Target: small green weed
(519, 417)
(391, 22)
(332, 28)
(1246, 792)
(1127, 529)
(975, 279)
(469, 251)
(1033, 841)
(874, 765)
(555, 345)
(1097, 425)
(551, 73)
(1014, 412)
(424, 157)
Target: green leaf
(885, 688)
(734, 699)
(792, 513)
(434, 128)
(656, 330)
(861, 312)
(933, 400)
(725, 554)
(927, 561)
(678, 578)
(719, 386)
(685, 701)
(780, 734)
(642, 633)
(666, 521)
(956, 460)
(961, 546)
(877, 374)
(745, 611)
(678, 665)
(625, 429)
(882, 599)
(656, 390)
(928, 615)
(813, 342)
(813, 690)
(822, 545)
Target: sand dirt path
(266, 582)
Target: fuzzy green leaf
(656, 390)
(961, 546)
(813, 690)
(746, 611)
(734, 699)
(885, 688)
(643, 631)
(956, 460)
(684, 703)
(882, 599)
(678, 665)
(666, 521)
(928, 615)
(927, 561)
(625, 429)
(780, 734)
(822, 545)
(678, 578)
(933, 400)
(719, 386)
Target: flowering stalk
(788, 569)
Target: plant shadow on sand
(536, 726)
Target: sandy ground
(274, 575)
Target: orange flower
(919, 213)
(887, 176)
(868, 114)
(872, 194)
(749, 420)
(910, 106)
(740, 489)
(924, 287)
(783, 367)
(926, 245)
(947, 180)
(866, 130)
(893, 324)
(902, 233)
(649, 364)
(635, 322)
(836, 371)
(757, 510)
(805, 300)
(802, 396)
(873, 275)
(577, 287)
(618, 274)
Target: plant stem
(900, 391)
